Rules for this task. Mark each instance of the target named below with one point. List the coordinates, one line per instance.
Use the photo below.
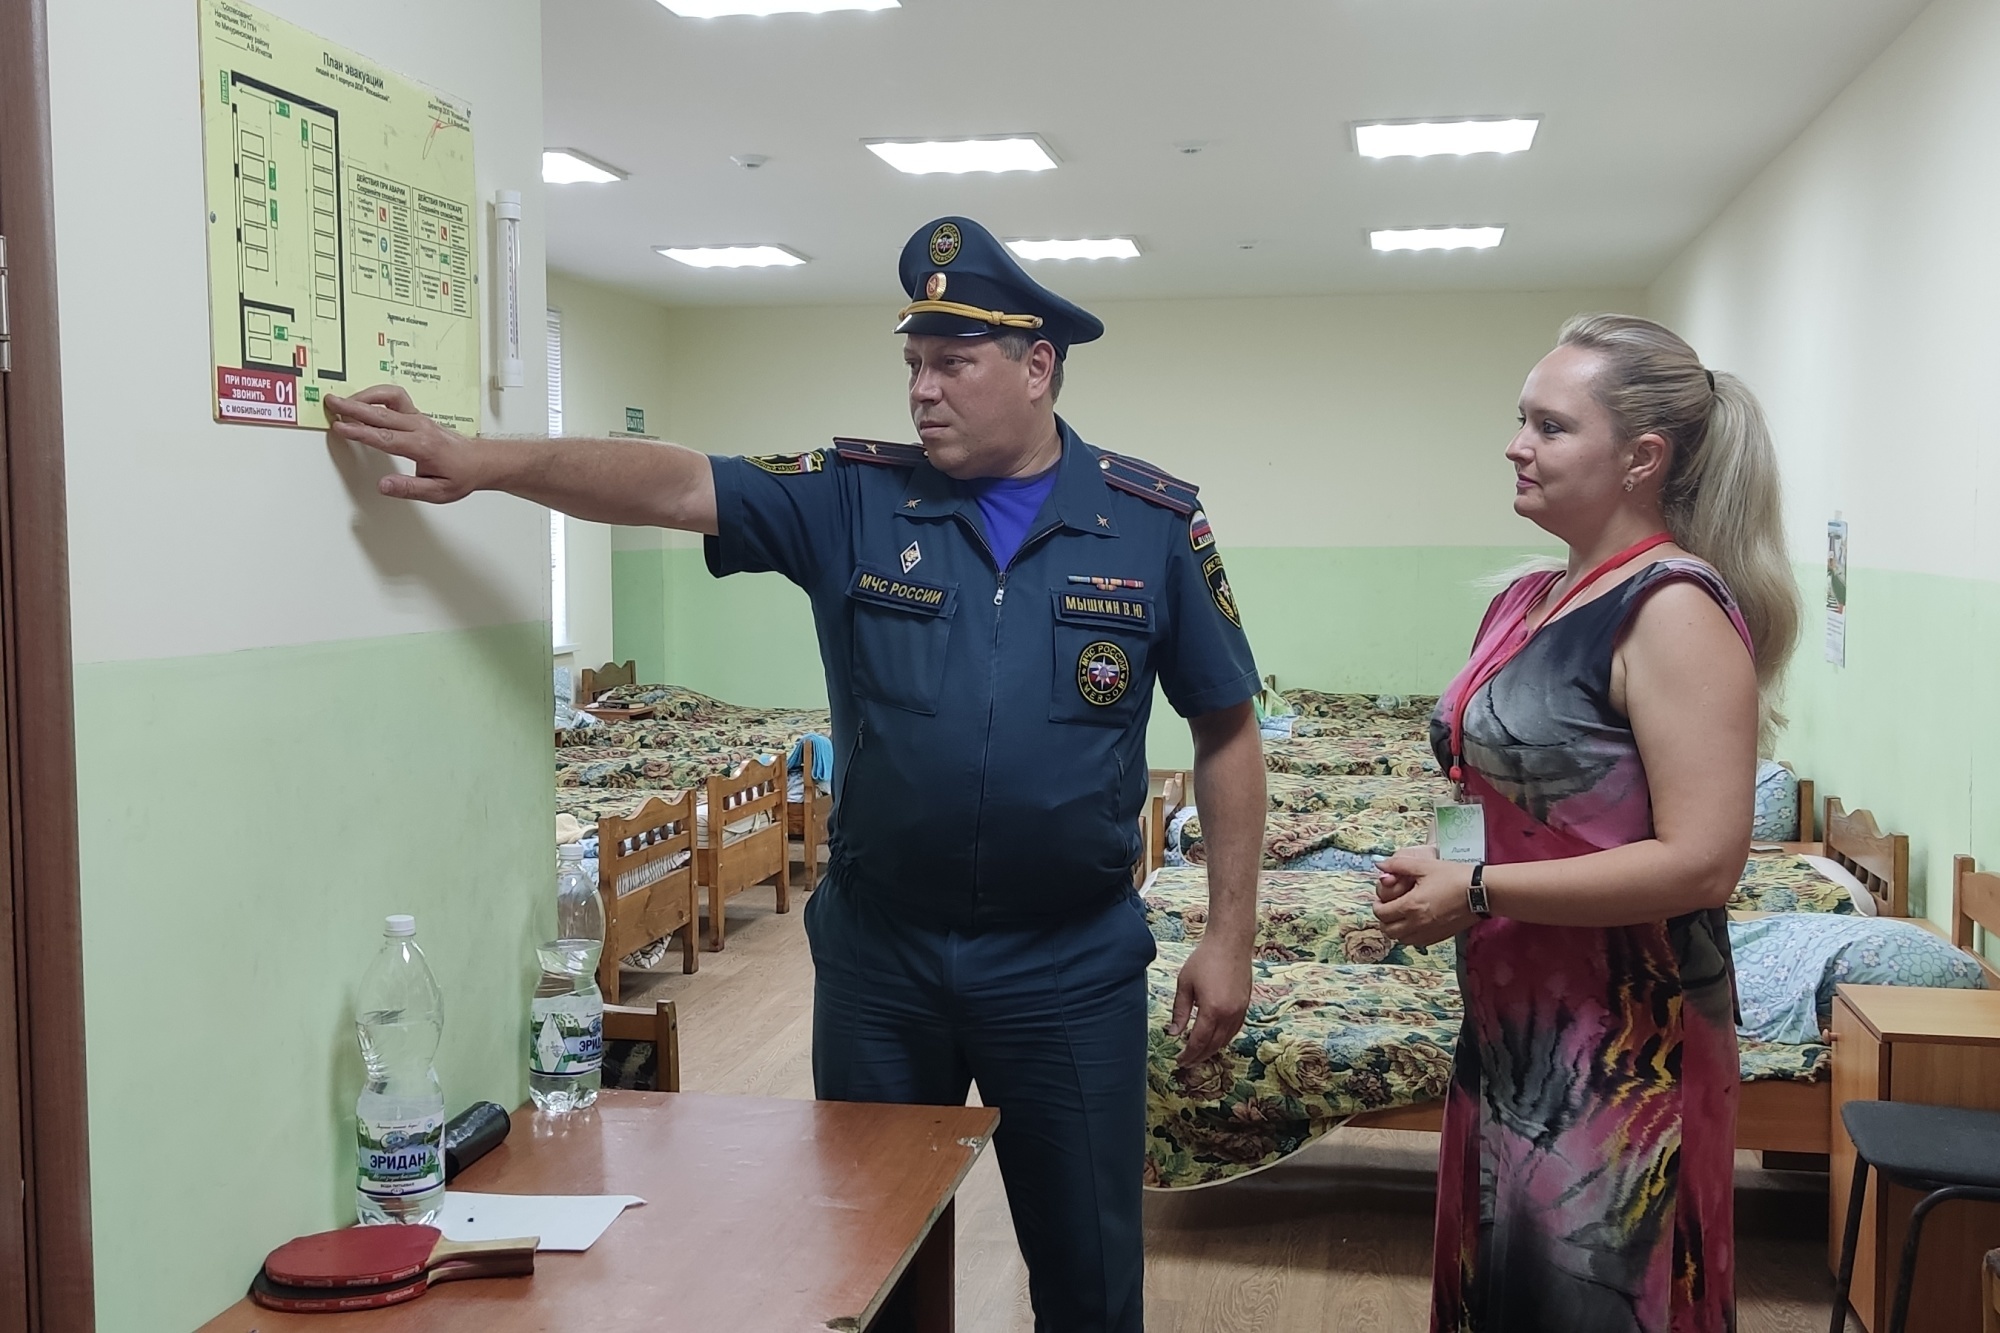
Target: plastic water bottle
(566, 1020)
(399, 1119)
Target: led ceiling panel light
(1436, 238)
(1109, 247)
(732, 256)
(1018, 152)
(715, 9)
(1432, 138)
(566, 166)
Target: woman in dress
(1607, 728)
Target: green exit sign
(635, 421)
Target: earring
(1628, 485)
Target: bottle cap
(396, 927)
(570, 851)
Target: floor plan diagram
(343, 232)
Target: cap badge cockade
(934, 287)
(944, 244)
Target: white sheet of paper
(563, 1221)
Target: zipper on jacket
(993, 694)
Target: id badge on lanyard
(1461, 832)
(1461, 825)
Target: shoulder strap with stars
(878, 451)
(1147, 482)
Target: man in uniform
(993, 608)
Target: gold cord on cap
(970, 312)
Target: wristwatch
(1475, 893)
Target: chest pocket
(901, 630)
(1102, 641)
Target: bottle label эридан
(399, 1157)
(566, 1044)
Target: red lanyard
(1484, 671)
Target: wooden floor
(1338, 1238)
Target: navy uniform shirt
(990, 726)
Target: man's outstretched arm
(632, 482)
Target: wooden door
(45, 1260)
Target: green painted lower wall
(247, 820)
(1395, 618)
(1908, 727)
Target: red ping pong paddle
(384, 1255)
(335, 1300)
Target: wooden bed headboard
(1975, 901)
(610, 676)
(1881, 861)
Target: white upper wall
(1854, 285)
(1372, 420)
(191, 537)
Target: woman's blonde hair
(1721, 497)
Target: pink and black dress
(1585, 1177)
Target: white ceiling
(1656, 113)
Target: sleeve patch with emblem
(1218, 588)
(789, 465)
(1200, 535)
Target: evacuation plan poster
(342, 234)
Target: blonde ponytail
(1721, 498)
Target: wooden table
(760, 1214)
(1913, 1044)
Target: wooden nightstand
(1913, 1044)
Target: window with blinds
(558, 545)
(555, 373)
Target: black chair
(1946, 1151)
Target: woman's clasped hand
(1420, 899)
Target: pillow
(1775, 812)
(1788, 965)
(1864, 901)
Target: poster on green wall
(342, 221)
(1836, 591)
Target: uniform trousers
(1050, 1020)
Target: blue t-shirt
(1009, 506)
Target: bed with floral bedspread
(1363, 710)
(587, 805)
(1363, 816)
(1782, 882)
(1351, 756)
(591, 766)
(1342, 1020)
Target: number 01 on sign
(342, 229)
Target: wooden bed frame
(633, 847)
(1975, 902)
(805, 819)
(1774, 1116)
(593, 681)
(1807, 809)
(725, 869)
